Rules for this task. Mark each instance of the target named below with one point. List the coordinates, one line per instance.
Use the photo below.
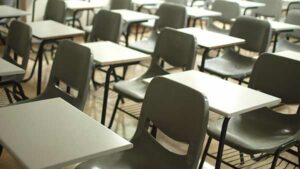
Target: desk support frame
(106, 87)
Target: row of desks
(111, 55)
(69, 130)
(205, 39)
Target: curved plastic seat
(265, 131)
(260, 131)
(230, 64)
(146, 46)
(283, 43)
(229, 10)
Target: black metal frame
(222, 144)
(276, 34)
(106, 86)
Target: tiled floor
(124, 125)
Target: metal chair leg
(154, 131)
(8, 95)
(1, 150)
(274, 163)
(298, 148)
(114, 111)
(205, 152)
(242, 160)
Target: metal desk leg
(275, 42)
(40, 66)
(74, 17)
(204, 56)
(17, 4)
(105, 97)
(33, 10)
(221, 143)
(127, 34)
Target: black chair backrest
(256, 33)
(179, 112)
(176, 48)
(56, 11)
(170, 15)
(8, 2)
(72, 66)
(120, 4)
(18, 45)
(277, 76)
(107, 26)
(293, 18)
(229, 10)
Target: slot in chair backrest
(229, 10)
(18, 44)
(107, 26)
(293, 18)
(277, 76)
(72, 65)
(179, 112)
(176, 48)
(255, 41)
(56, 11)
(171, 15)
(120, 4)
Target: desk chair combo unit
(170, 15)
(17, 52)
(55, 11)
(163, 100)
(230, 11)
(233, 64)
(70, 75)
(264, 131)
(285, 41)
(107, 27)
(175, 48)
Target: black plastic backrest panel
(178, 111)
(107, 26)
(256, 33)
(55, 10)
(277, 76)
(176, 48)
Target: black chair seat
(146, 46)
(134, 89)
(258, 131)
(284, 44)
(231, 64)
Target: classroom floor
(125, 126)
